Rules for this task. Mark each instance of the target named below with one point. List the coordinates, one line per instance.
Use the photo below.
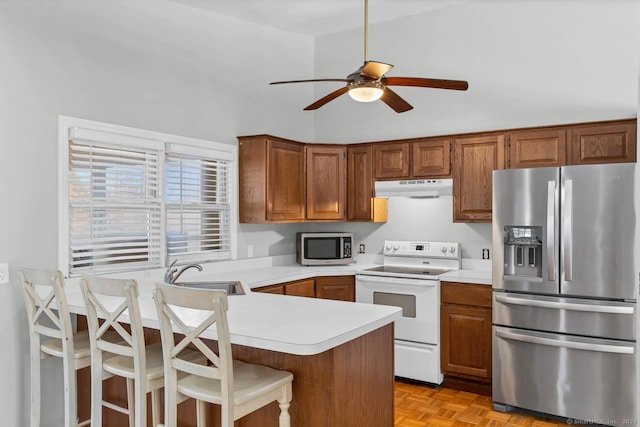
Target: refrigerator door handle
(551, 220)
(567, 230)
(559, 305)
(605, 348)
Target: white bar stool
(116, 301)
(239, 388)
(49, 317)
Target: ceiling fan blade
(421, 82)
(333, 95)
(374, 69)
(394, 101)
(311, 80)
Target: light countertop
(480, 277)
(287, 324)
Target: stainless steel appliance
(409, 278)
(565, 281)
(325, 248)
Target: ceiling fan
(369, 83)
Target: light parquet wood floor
(419, 406)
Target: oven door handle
(397, 280)
(605, 348)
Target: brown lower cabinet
(349, 385)
(465, 330)
(340, 288)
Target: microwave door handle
(551, 232)
(567, 230)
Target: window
(134, 199)
(197, 207)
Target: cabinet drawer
(301, 288)
(271, 289)
(341, 288)
(466, 294)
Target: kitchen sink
(231, 288)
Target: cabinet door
(474, 160)
(607, 143)
(359, 182)
(537, 148)
(340, 288)
(326, 182)
(431, 158)
(391, 160)
(466, 341)
(285, 181)
(301, 288)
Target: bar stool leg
(35, 382)
(131, 402)
(70, 402)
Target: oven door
(418, 298)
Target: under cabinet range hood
(415, 188)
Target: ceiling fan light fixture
(366, 92)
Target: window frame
(133, 138)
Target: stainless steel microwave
(324, 248)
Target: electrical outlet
(250, 251)
(485, 253)
(4, 273)
(361, 248)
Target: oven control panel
(422, 249)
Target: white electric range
(409, 279)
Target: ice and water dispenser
(523, 251)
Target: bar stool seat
(250, 381)
(122, 366)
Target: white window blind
(115, 211)
(197, 207)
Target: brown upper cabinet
(431, 158)
(604, 143)
(593, 143)
(272, 184)
(537, 148)
(287, 181)
(475, 159)
(326, 182)
(278, 183)
(361, 204)
(418, 158)
(391, 160)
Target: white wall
(528, 63)
(154, 65)
(162, 66)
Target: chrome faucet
(172, 273)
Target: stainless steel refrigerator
(565, 281)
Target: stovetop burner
(420, 260)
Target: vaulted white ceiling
(317, 17)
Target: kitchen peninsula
(341, 355)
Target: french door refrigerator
(565, 281)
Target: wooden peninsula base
(349, 385)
